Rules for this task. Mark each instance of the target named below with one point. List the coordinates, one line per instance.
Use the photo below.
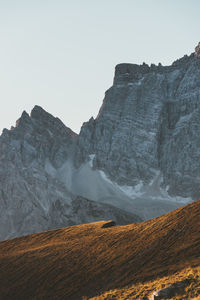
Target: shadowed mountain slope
(87, 260)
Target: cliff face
(137, 160)
(33, 196)
(27, 192)
(148, 127)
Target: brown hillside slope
(87, 260)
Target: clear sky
(61, 54)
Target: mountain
(137, 160)
(32, 198)
(145, 138)
(119, 262)
(148, 127)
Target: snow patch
(152, 191)
(139, 81)
(119, 85)
(132, 191)
(49, 168)
(91, 156)
(104, 176)
(184, 119)
(50, 133)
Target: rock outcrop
(108, 224)
(169, 292)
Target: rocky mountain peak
(197, 50)
(46, 120)
(25, 118)
(38, 113)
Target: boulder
(108, 224)
(169, 291)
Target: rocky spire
(23, 120)
(197, 50)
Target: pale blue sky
(61, 54)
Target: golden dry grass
(87, 260)
(144, 290)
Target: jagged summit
(25, 118)
(126, 72)
(39, 112)
(41, 118)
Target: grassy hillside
(143, 290)
(122, 262)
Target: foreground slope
(87, 260)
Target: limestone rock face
(138, 159)
(148, 125)
(32, 197)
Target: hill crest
(87, 260)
